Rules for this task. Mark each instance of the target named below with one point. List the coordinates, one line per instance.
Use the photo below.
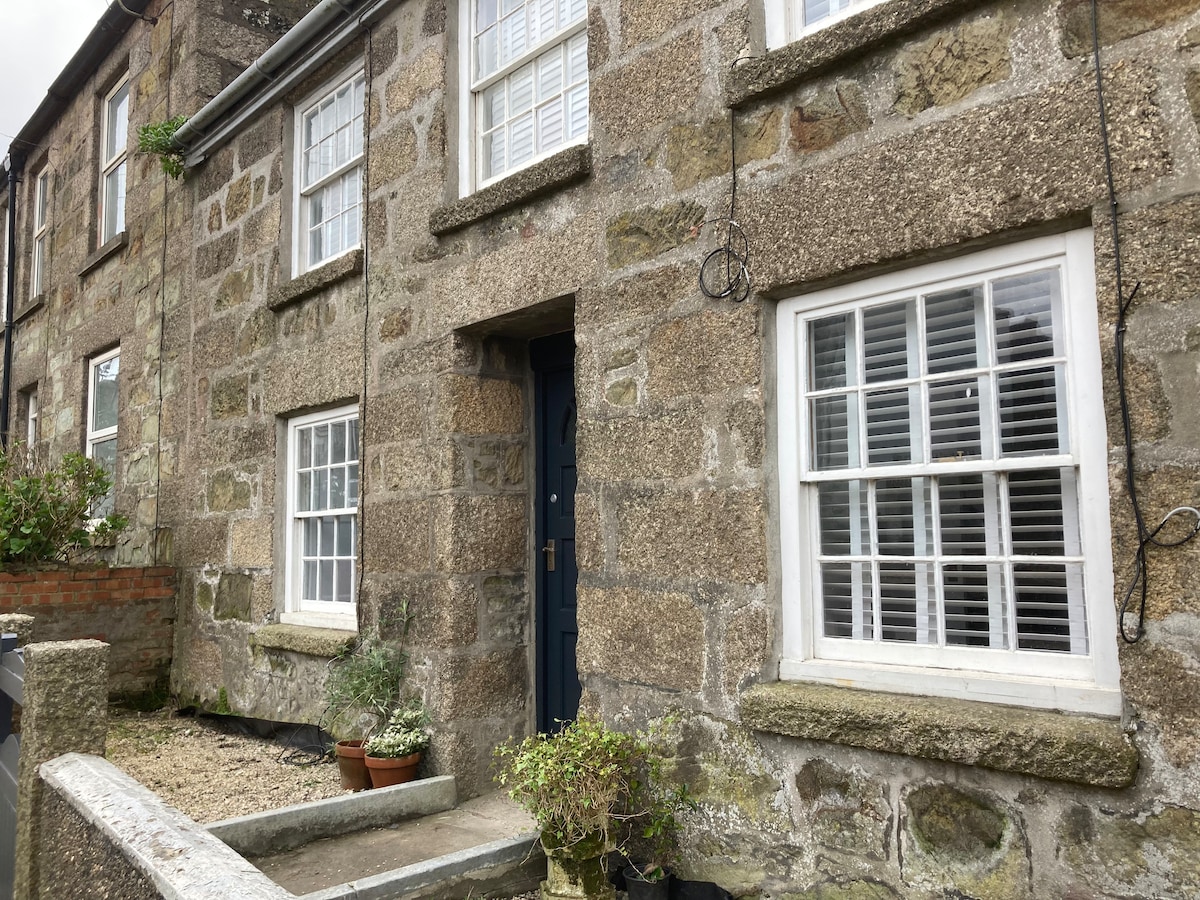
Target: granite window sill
(560, 170)
(323, 642)
(844, 41)
(28, 308)
(110, 248)
(1080, 749)
(348, 265)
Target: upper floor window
(528, 78)
(114, 138)
(322, 497)
(102, 413)
(41, 232)
(944, 494)
(329, 172)
(788, 20)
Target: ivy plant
(155, 138)
(46, 512)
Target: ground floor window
(322, 479)
(944, 483)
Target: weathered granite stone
(641, 234)
(622, 393)
(664, 81)
(695, 153)
(1033, 742)
(474, 405)
(647, 637)
(217, 255)
(417, 78)
(343, 267)
(230, 396)
(395, 325)
(479, 533)
(473, 687)
(228, 493)
(953, 64)
(393, 153)
(705, 353)
(834, 112)
(641, 22)
(945, 819)
(237, 199)
(321, 642)
(235, 289)
(233, 596)
(671, 446)
(1119, 19)
(1152, 855)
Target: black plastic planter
(640, 889)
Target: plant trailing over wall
(588, 780)
(366, 679)
(155, 138)
(46, 511)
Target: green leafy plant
(588, 780)
(367, 679)
(406, 733)
(47, 512)
(155, 138)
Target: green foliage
(223, 707)
(366, 679)
(46, 511)
(405, 733)
(588, 780)
(156, 137)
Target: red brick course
(133, 609)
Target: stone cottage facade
(425, 327)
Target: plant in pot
(362, 690)
(394, 752)
(587, 789)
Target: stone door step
(410, 841)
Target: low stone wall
(132, 610)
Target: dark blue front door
(553, 361)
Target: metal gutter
(213, 125)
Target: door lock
(549, 551)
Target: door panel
(558, 688)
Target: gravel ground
(209, 770)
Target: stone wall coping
(87, 573)
(326, 642)
(1045, 744)
(303, 286)
(103, 252)
(560, 170)
(850, 38)
(179, 857)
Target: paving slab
(333, 861)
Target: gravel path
(208, 770)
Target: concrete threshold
(486, 847)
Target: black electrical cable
(725, 272)
(1147, 537)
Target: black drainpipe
(15, 164)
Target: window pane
(352, 486)
(846, 589)
(844, 519)
(889, 342)
(975, 607)
(890, 427)
(320, 434)
(829, 343)
(325, 585)
(345, 536)
(1035, 509)
(328, 535)
(310, 581)
(906, 607)
(345, 581)
(337, 487)
(968, 512)
(104, 394)
(117, 123)
(352, 438)
(1029, 413)
(1024, 307)
(955, 426)
(312, 532)
(337, 442)
(321, 489)
(1044, 606)
(521, 140)
(950, 329)
(903, 516)
(836, 445)
(304, 491)
(114, 202)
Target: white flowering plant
(406, 733)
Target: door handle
(549, 551)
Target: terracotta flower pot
(351, 760)
(386, 772)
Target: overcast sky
(38, 38)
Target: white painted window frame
(341, 616)
(470, 113)
(95, 436)
(302, 194)
(111, 166)
(41, 231)
(31, 415)
(1080, 683)
(785, 19)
